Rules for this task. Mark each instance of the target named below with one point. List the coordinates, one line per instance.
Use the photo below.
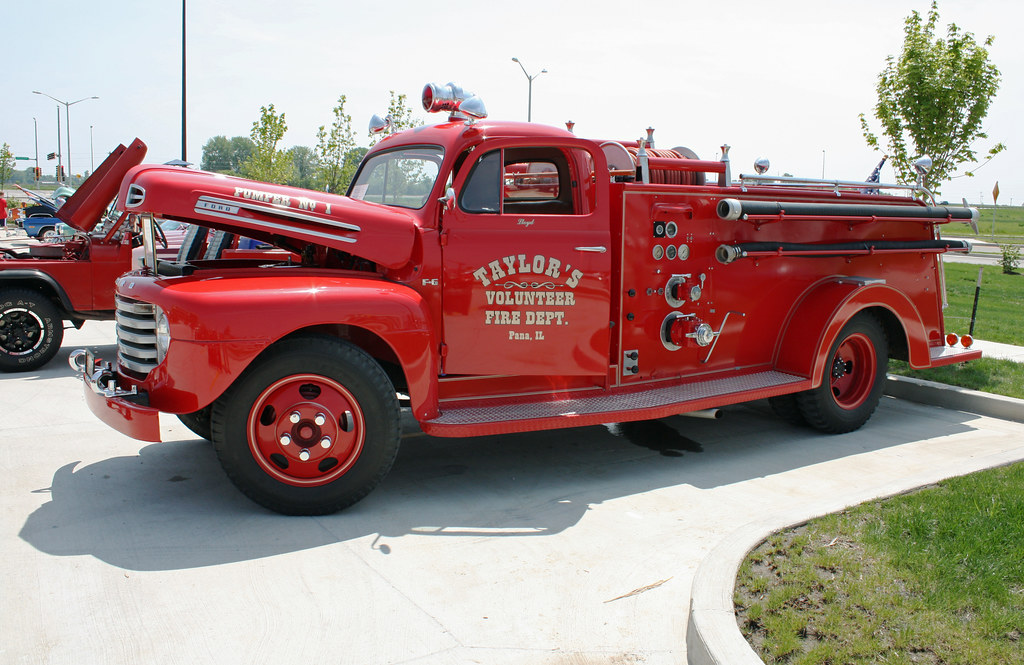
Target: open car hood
(84, 209)
(267, 212)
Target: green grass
(936, 576)
(990, 375)
(1000, 307)
(1009, 223)
(1000, 318)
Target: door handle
(598, 250)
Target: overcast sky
(784, 80)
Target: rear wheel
(310, 430)
(853, 381)
(31, 330)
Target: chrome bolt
(285, 439)
(320, 419)
(304, 455)
(325, 442)
(295, 417)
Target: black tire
(193, 244)
(853, 381)
(41, 234)
(308, 377)
(198, 422)
(787, 408)
(31, 330)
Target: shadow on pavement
(171, 507)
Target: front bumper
(111, 403)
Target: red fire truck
(504, 277)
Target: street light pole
(183, 158)
(529, 99)
(67, 119)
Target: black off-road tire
(787, 408)
(283, 395)
(854, 378)
(31, 330)
(198, 422)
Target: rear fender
(815, 322)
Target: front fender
(820, 314)
(220, 325)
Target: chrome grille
(136, 334)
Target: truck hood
(84, 210)
(267, 212)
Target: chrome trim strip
(137, 324)
(133, 306)
(129, 336)
(273, 210)
(141, 368)
(279, 227)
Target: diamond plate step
(491, 418)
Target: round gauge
(671, 229)
(659, 252)
(659, 229)
(695, 293)
(670, 252)
(684, 252)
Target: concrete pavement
(569, 547)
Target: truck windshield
(402, 177)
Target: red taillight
(951, 339)
(967, 340)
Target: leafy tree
(305, 167)
(267, 163)
(224, 155)
(932, 99)
(6, 164)
(401, 116)
(332, 149)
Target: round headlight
(163, 335)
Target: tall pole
(67, 115)
(183, 158)
(92, 162)
(67, 119)
(60, 160)
(35, 127)
(529, 99)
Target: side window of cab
(521, 181)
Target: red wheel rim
(852, 373)
(306, 430)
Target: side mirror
(448, 199)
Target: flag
(875, 176)
(51, 156)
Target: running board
(605, 407)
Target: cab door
(527, 263)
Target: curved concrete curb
(952, 397)
(712, 635)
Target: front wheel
(31, 330)
(309, 430)
(853, 381)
